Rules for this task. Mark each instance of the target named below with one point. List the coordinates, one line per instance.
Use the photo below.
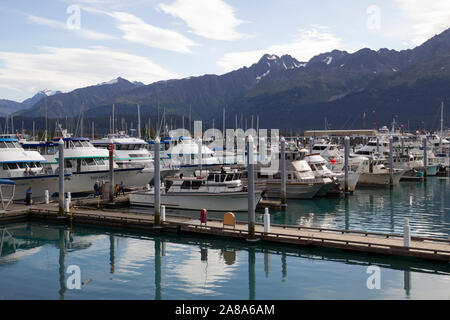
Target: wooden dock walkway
(369, 242)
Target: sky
(68, 44)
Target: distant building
(340, 133)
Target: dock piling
(283, 173)
(157, 183)
(163, 213)
(47, 197)
(346, 156)
(391, 161)
(407, 233)
(425, 156)
(251, 188)
(61, 176)
(111, 171)
(67, 205)
(266, 220)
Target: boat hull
(81, 183)
(222, 202)
(379, 179)
(353, 179)
(323, 191)
(293, 190)
(38, 186)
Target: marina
(215, 153)
(321, 196)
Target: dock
(360, 241)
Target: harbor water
(113, 264)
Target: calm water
(426, 204)
(35, 256)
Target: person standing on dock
(28, 196)
(116, 190)
(96, 189)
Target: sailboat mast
(112, 120)
(442, 127)
(139, 121)
(46, 119)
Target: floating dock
(368, 242)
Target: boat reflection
(198, 266)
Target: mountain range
(337, 86)
(9, 106)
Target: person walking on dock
(28, 196)
(121, 188)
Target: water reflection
(251, 273)
(206, 268)
(266, 262)
(229, 256)
(372, 209)
(407, 283)
(62, 265)
(427, 206)
(158, 269)
(111, 253)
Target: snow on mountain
(49, 92)
(262, 76)
(113, 81)
(328, 60)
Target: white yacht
(26, 169)
(334, 161)
(214, 191)
(301, 182)
(319, 166)
(130, 152)
(87, 165)
(183, 153)
(378, 173)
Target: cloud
(430, 17)
(306, 44)
(212, 19)
(66, 69)
(138, 31)
(84, 33)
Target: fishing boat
(213, 191)
(378, 173)
(330, 179)
(301, 183)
